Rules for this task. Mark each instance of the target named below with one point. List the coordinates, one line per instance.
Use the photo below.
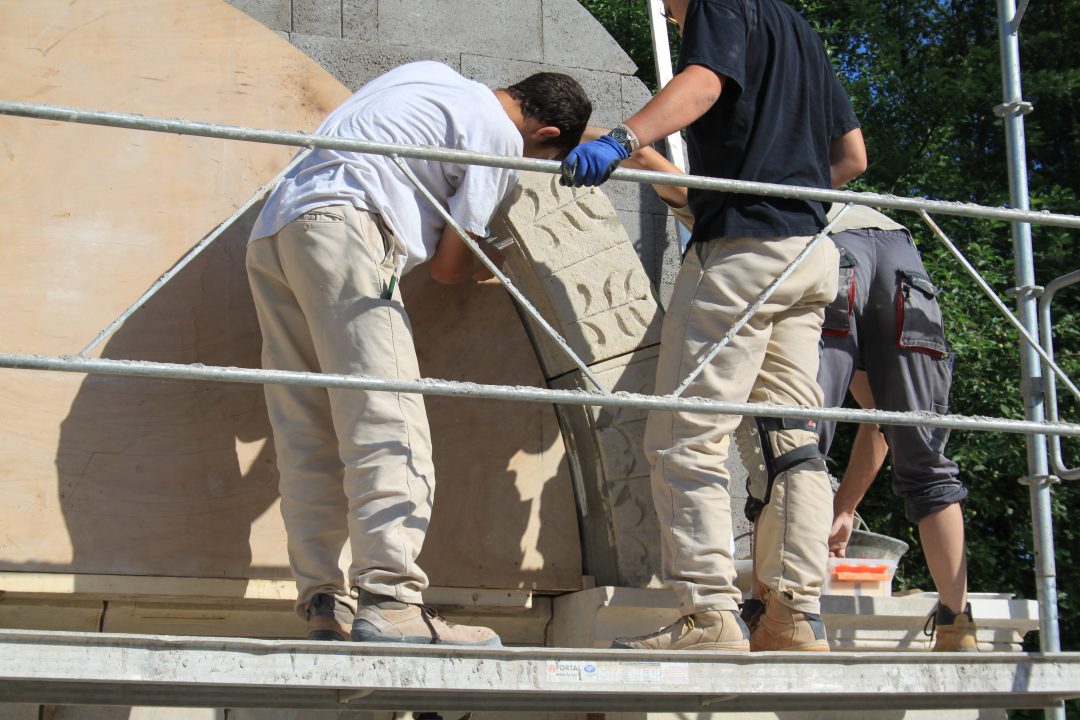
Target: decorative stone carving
(579, 267)
(574, 262)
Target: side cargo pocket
(839, 313)
(919, 325)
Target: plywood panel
(140, 477)
(115, 475)
(504, 506)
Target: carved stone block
(575, 263)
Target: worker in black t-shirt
(760, 101)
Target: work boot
(328, 618)
(952, 632)
(781, 628)
(383, 619)
(707, 630)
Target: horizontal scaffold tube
(299, 139)
(450, 388)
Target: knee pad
(759, 450)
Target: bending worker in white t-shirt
(323, 261)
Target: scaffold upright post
(1031, 368)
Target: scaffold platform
(112, 669)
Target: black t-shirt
(781, 106)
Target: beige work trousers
(774, 358)
(355, 465)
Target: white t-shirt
(422, 103)
(860, 217)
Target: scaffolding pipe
(1057, 461)
(1031, 383)
(753, 307)
(1014, 24)
(996, 301)
(745, 187)
(476, 391)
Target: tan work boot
(329, 618)
(952, 632)
(781, 628)
(383, 619)
(708, 630)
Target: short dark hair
(558, 100)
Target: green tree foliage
(924, 77)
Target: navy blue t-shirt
(781, 106)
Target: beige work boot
(707, 630)
(781, 628)
(383, 619)
(952, 632)
(329, 618)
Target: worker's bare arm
(867, 456)
(454, 263)
(687, 97)
(847, 157)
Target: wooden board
(139, 477)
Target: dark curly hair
(558, 100)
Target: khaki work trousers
(774, 358)
(355, 465)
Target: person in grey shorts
(884, 338)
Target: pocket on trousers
(840, 312)
(330, 214)
(919, 324)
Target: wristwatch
(625, 137)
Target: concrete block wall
(496, 42)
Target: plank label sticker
(622, 673)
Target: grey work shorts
(886, 320)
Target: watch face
(622, 137)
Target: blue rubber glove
(592, 163)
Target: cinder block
(354, 63)
(603, 88)
(493, 28)
(635, 94)
(626, 195)
(274, 14)
(360, 20)
(317, 17)
(565, 23)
